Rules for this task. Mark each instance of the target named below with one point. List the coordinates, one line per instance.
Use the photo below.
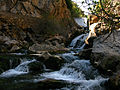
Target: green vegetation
(108, 13)
(106, 10)
(74, 9)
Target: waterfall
(20, 69)
(81, 21)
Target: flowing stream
(78, 71)
(78, 74)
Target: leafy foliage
(69, 4)
(74, 9)
(106, 11)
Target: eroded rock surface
(24, 23)
(106, 54)
(106, 57)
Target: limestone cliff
(36, 8)
(33, 21)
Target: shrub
(74, 9)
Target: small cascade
(20, 69)
(79, 42)
(79, 72)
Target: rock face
(26, 22)
(36, 8)
(106, 57)
(107, 54)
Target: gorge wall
(25, 22)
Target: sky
(84, 6)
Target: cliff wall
(33, 21)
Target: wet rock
(42, 54)
(14, 48)
(90, 43)
(36, 67)
(114, 82)
(51, 84)
(53, 62)
(85, 54)
(47, 84)
(8, 62)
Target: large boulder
(53, 62)
(106, 54)
(36, 67)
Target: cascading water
(79, 42)
(20, 69)
(77, 71)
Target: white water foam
(81, 38)
(79, 72)
(20, 69)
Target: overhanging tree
(106, 11)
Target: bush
(74, 9)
